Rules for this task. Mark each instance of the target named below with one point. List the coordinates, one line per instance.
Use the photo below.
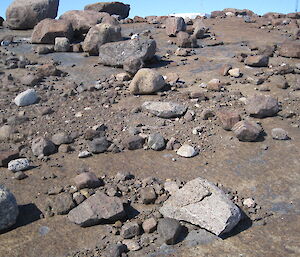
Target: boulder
(117, 53)
(26, 14)
(96, 209)
(199, 29)
(257, 61)
(262, 106)
(184, 40)
(149, 225)
(99, 35)
(42, 146)
(174, 25)
(82, 21)
(47, 30)
(165, 109)
(203, 204)
(146, 81)
(247, 131)
(113, 8)
(25, 98)
(228, 119)
(9, 210)
(290, 49)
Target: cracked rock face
(204, 204)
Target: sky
(163, 7)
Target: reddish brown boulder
(228, 119)
(174, 25)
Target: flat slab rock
(204, 204)
(96, 209)
(165, 109)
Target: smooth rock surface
(25, 98)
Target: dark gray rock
(130, 230)
(113, 8)
(133, 142)
(156, 142)
(99, 145)
(42, 146)
(169, 230)
(62, 204)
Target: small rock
(62, 44)
(132, 245)
(84, 154)
(187, 151)
(19, 165)
(62, 204)
(19, 175)
(42, 147)
(87, 180)
(148, 195)
(130, 230)
(214, 85)
(165, 109)
(257, 61)
(169, 230)
(247, 131)
(25, 98)
(99, 145)
(228, 119)
(279, 134)
(249, 202)
(149, 225)
(262, 106)
(235, 72)
(133, 142)
(156, 142)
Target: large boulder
(47, 30)
(8, 208)
(174, 25)
(82, 21)
(262, 106)
(26, 14)
(146, 81)
(165, 109)
(203, 204)
(115, 8)
(247, 131)
(117, 53)
(99, 35)
(290, 49)
(96, 209)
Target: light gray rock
(174, 25)
(202, 203)
(247, 131)
(156, 142)
(25, 98)
(187, 151)
(6, 132)
(9, 210)
(26, 14)
(42, 146)
(279, 134)
(62, 44)
(165, 109)
(61, 138)
(146, 81)
(19, 165)
(130, 230)
(262, 106)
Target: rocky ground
(220, 102)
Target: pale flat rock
(165, 109)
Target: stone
(261, 106)
(61, 138)
(206, 114)
(146, 81)
(100, 34)
(187, 151)
(62, 204)
(96, 209)
(247, 131)
(234, 72)
(279, 81)
(84, 154)
(44, 50)
(174, 25)
(20, 175)
(199, 29)
(148, 195)
(117, 53)
(82, 21)
(113, 8)
(202, 203)
(6, 132)
(133, 65)
(214, 85)
(99, 145)
(30, 80)
(279, 134)
(42, 146)
(9, 210)
(165, 109)
(132, 245)
(7, 156)
(169, 230)
(290, 49)
(149, 225)
(133, 142)
(249, 202)
(171, 187)
(117, 250)
(123, 76)
(19, 165)
(216, 14)
(156, 142)
(184, 40)
(130, 230)
(87, 180)
(47, 30)
(62, 44)
(257, 61)
(228, 118)
(26, 14)
(25, 98)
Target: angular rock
(7, 156)
(279, 134)
(214, 85)
(42, 147)
(6, 132)
(156, 142)
(9, 210)
(99, 145)
(18, 165)
(199, 29)
(262, 106)
(26, 14)
(290, 49)
(146, 81)
(228, 119)
(113, 8)
(100, 34)
(25, 98)
(149, 225)
(247, 131)
(234, 72)
(62, 204)
(87, 180)
(62, 44)
(187, 151)
(96, 209)
(133, 142)
(61, 138)
(174, 25)
(165, 109)
(117, 53)
(257, 61)
(184, 40)
(47, 30)
(169, 230)
(203, 204)
(130, 230)
(148, 195)
(133, 65)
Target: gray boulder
(156, 142)
(247, 131)
(261, 106)
(165, 109)
(113, 8)
(26, 14)
(99, 145)
(116, 53)
(203, 204)
(42, 146)
(9, 210)
(96, 209)
(174, 25)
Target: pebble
(84, 154)
(187, 151)
(279, 134)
